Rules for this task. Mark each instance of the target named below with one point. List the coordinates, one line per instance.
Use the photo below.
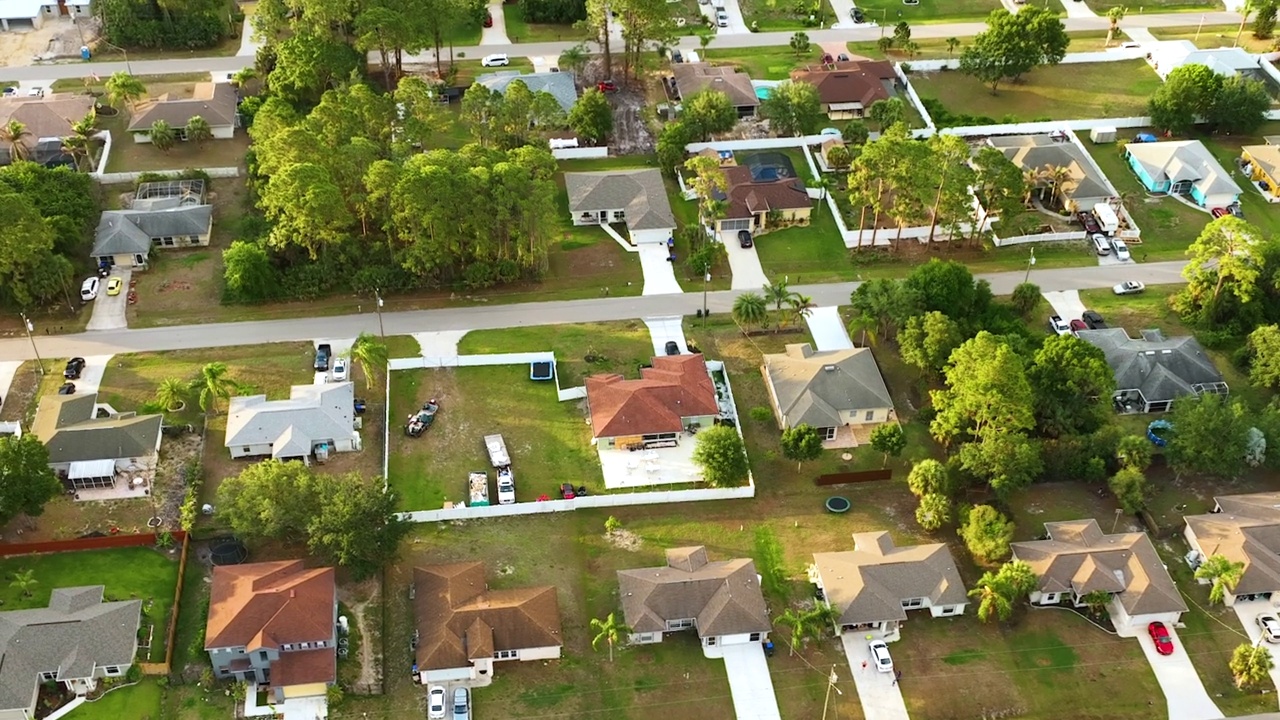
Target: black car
(744, 239)
(672, 348)
(676, 57)
(1093, 320)
(67, 389)
(858, 16)
(74, 367)
(323, 351)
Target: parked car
(1121, 249)
(323, 352)
(676, 57)
(114, 285)
(607, 86)
(1219, 212)
(89, 289)
(1160, 636)
(1089, 222)
(880, 656)
(722, 19)
(435, 702)
(827, 59)
(1101, 244)
(1077, 326)
(1093, 320)
(488, 20)
(1058, 325)
(858, 16)
(461, 704)
(672, 348)
(744, 239)
(1270, 625)
(36, 92)
(10, 91)
(67, 389)
(74, 367)
(340, 372)
(1236, 210)
(1129, 287)
(495, 60)
(842, 57)
(567, 491)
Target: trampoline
(540, 371)
(838, 504)
(228, 551)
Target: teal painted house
(1182, 168)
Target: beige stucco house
(839, 392)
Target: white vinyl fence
(124, 177)
(579, 153)
(1042, 237)
(590, 501)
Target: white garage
(18, 15)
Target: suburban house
(76, 641)
(721, 600)
(463, 627)
(1262, 164)
(216, 103)
(635, 197)
(839, 392)
(1169, 55)
(1084, 186)
(88, 451)
(1078, 559)
(848, 89)
(689, 79)
(274, 624)
(316, 419)
(48, 120)
(754, 193)
(874, 585)
(1182, 167)
(125, 238)
(1152, 371)
(31, 14)
(1243, 529)
(559, 85)
(672, 395)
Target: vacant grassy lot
(549, 441)
(1155, 6)
(141, 701)
(890, 12)
(1062, 92)
(764, 63)
(936, 48)
(1214, 36)
(617, 347)
(128, 573)
(519, 31)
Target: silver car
(1270, 625)
(1129, 287)
(722, 19)
(461, 704)
(1101, 244)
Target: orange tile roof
(265, 605)
(674, 388)
(846, 82)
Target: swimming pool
(763, 93)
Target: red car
(827, 59)
(1219, 212)
(488, 20)
(1077, 325)
(607, 86)
(567, 492)
(1160, 636)
(1090, 222)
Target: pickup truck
(323, 352)
(506, 486)
(1058, 325)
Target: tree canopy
(1014, 44)
(26, 480)
(721, 455)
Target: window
(112, 670)
(248, 450)
(306, 646)
(506, 654)
(49, 675)
(828, 433)
(287, 646)
(871, 415)
(680, 624)
(711, 641)
(262, 655)
(913, 603)
(323, 643)
(193, 239)
(755, 637)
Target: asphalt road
(109, 342)
(76, 69)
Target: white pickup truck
(506, 486)
(1058, 325)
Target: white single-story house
(1169, 55)
(635, 197)
(315, 420)
(216, 103)
(31, 14)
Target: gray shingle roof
(131, 231)
(869, 583)
(215, 102)
(640, 193)
(693, 78)
(312, 413)
(66, 426)
(75, 634)
(559, 85)
(813, 387)
(1163, 369)
(1183, 160)
(1036, 152)
(723, 597)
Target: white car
(495, 60)
(1129, 287)
(722, 19)
(1101, 244)
(340, 370)
(435, 702)
(880, 656)
(1270, 625)
(1122, 250)
(89, 289)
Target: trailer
(1107, 218)
(478, 488)
(497, 448)
(506, 486)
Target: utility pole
(706, 278)
(377, 295)
(831, 685)
(26, 325)
(1030, 261)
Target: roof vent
(829, 368)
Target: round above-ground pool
(837, 504)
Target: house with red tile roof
(762, 201)
(847, 89)
(274, 623)
(672, 394)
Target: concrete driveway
(496, 35)
(8, 369)
(338, 347)
(659, 272)
(827, 328)
(1066, 303)
(1183, 691)
(844, 15)
(108, 310)
(91, 376)
(737, 25)
(665, 329)
(1078, 9)
(880, 696)
(749, 680)
(1248, 613)
(744, 263)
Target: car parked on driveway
(461, 704)
(880, 656)
(1129, 287)
(722, 19)
(89, 289)
(1121, 249)
(75, 366)
(607, 86)
(858, 16)
(114, 285)
(744, 239)
(1100, 244)
(495, 60)
(1270, 625)
(1160, 636)
(1093, 320)
(488, 20)
(1219, 212)
(435, 702)
(672, 348)
(67, 389)
(323, 353)
(1090, 222)
(1077, 326)
(340, 373)
(567, 491)
(1059, 326)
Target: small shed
(1103, 134)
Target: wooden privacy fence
(847, 478)
(163, 668)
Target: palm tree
(15, 133)
(1019, 577)
(371, 354)
(23, 580)
(1115, 15)
(77, 144)
(824, 184)
(801, 625)
(198, 130)
(1031, 180)
(823, 616)
(704, 39)
(1247, 7)
(1223, 573)
(952, 44)
(162, 135)
(1058, 175)
(608, 630)
(214, 385)
(779, 294)
(1251, 665)
(124, 89)
(1096, 601)
(243, 75)
(172, 394)
(801, 307)
(750, 308)
(994, 597)
(574, 58)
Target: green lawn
(140, 702)
(1256, 209)
(891, 12)
(936, 48)
(1062, 92)
(763, 63)
(128, 573)
(548, 440)
(1154, 6)
(519, 31)
(1214, 36)
(621, 346)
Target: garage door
(735, 225)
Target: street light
(28, 326)
(1030, 261)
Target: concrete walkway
(659, 273)
(664, 329)
(1140, 34)
(749, 680)
(440, 344)
(1184, 693)
(8, 369)
(1248, 612)
(827, 328)
(880, 696)
(496, 35)
(744, 263)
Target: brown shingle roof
(676, 387)
(869, 583)
(47, 117)
(848, 82)
(747, 197)
(693, 78)
(459, 619)
(265, 605)
(723, 597)
(1079, 558)
(1247, 530)
(215, 102)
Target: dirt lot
(55, 38)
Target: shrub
(761, 414)
(134, 674)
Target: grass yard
(141, 701)
(156, 84)
(1215, 36)
(764, 63)
(891, 12)
(936, 48)
(548, 440)
(1226, 149)
(129, 156)
(469, 69)
(622, 346)
(519, 31)
(1062, 92)
(1155, 6)
(128, 573)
